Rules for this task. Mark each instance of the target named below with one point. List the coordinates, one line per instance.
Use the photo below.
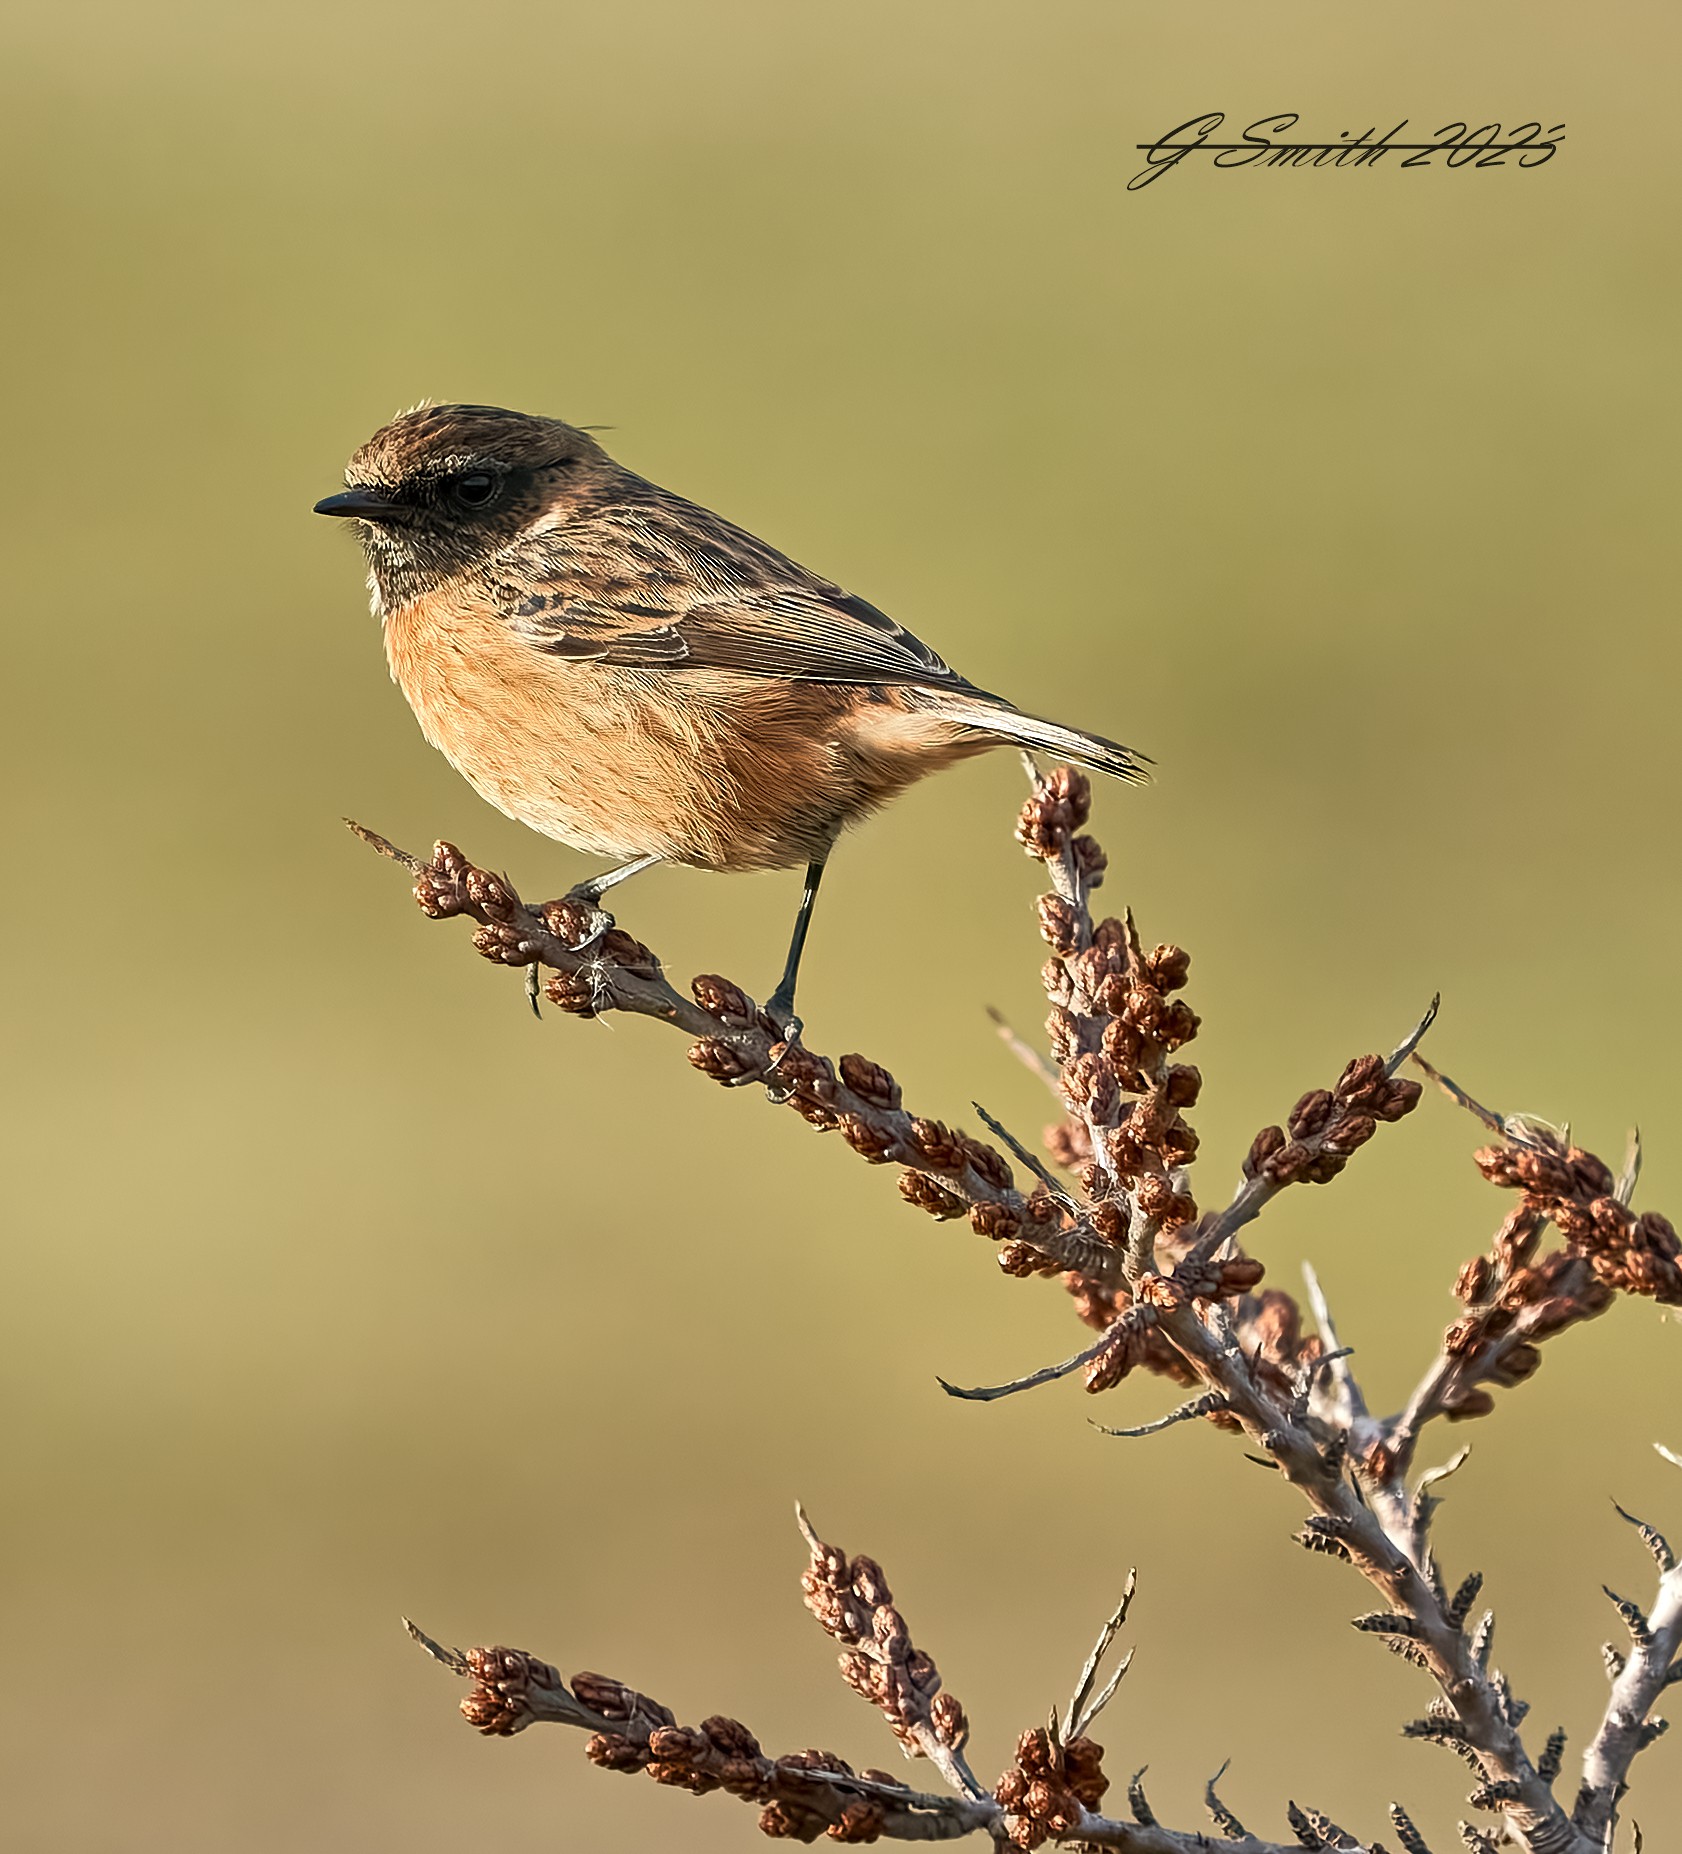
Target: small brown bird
(635, 676)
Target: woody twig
(1168, 1290)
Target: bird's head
(442, 489)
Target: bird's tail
(1003, 722)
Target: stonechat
(637, 677)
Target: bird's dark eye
(475, 491)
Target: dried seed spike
(1483, 1637)
(1413, 1842)
(1624, 1189)
(1614, 1660)
(452, 1658)
(1553, 1755)
(1464, 1598)
(1654, 1728)
(1222, 1816)
(1652, 1538)
(1634, 1619)
(1137, 1802)
(1479, 1840)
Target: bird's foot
(780, 1010)
(587, 924)
(788, 1028)
(594, 922)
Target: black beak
(362, 504)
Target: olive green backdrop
(335, 1288)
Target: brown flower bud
(1241, 1274)
(930, 1195)
(625, 950)
(730, 1736)
(1499, 1164)
(612, 1752)
(712, 1056)
(1473, 1281)
(1011, 1788)
(1543, 1171)
(779, 1821)
(490, 893)
(1463, 1336)
(1083, 1761)
(1515, 1241)
(504, 946)
(1289, 1163)
(1352, 1130)
(1063, 1032)
(1169, 967)
(1059, 924)
(1516, 1364)
(1267, 1143)
(987, 1162)
(723, 1000)
(1594, 1176)
(939, 1147)
(950, 1725)
(1040, 1800)
(1184, 1084)
(870, 1082)
(1362, 1077)
(577, 995)
(570, 921)
(1179, 1143)
(1658, 1233)
(1090, 1086)
(1071, 791)
(996, 1221)
(1090, 860)
(867, 1578)
(1311, 1113)
(874, 1144)
(1396, 1100)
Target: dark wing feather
(661, 584)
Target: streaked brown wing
(655, 582)
(818, 636)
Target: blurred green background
(335, 1288)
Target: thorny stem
(1351, 1468)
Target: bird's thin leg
(592, 891)
(589, 894)
(780, 1004)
